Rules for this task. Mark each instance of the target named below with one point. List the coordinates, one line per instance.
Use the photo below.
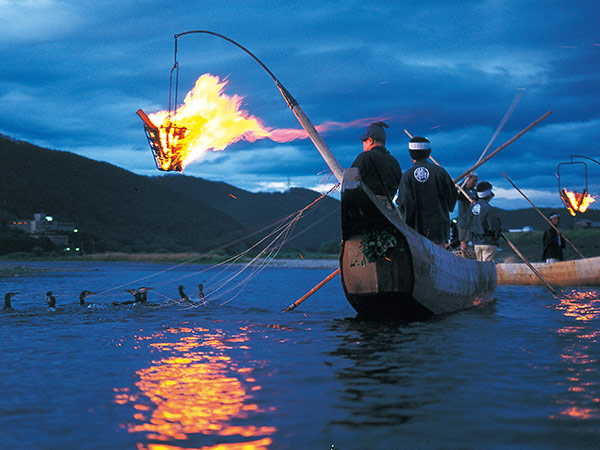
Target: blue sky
(74, 73)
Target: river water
(522, 372)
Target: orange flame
(196, 388)
(209, 120)
(576, 202)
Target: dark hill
(319, 225)
(137, 213)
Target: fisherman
(427, 194)
(50, 300)
(379, 170)
(464, 205)
(485, 224)
(83, 296)
(553, 241)
(182, 295)
(7, 298)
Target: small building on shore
(43, 225)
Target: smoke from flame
(209, 120)
(576, 202)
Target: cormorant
(7, 298)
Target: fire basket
(575, 202)
(163, 143)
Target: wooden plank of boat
(417, 278)
(578, 272)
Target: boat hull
(578, 272)
(414, 279)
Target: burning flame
(209, 120)
(576, 202)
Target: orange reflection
(581, 399)
(196, 388)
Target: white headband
(418, 146)
(484, 194)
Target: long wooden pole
(510, 141)
(312, 291)
(315, 137)
(543, 215)
(539, 275)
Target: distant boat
(578, 272)
(415, 278)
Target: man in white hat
(485, 224)
(427, 194)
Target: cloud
(75, 72)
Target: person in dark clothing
(485, 224)
(554, 241)
(427, 194)
(379, 170)
(464, 206)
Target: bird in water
(7, 298)
(143, 291)
(83, 296)
(50, 299)
(201, 293)
(139, 296)
(183, 295)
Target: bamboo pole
(539, 275)
(312, 291)
(510, 141)
(507, 115)
(315, 137)
(543, 215)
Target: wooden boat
(578, 272)
(416, 278)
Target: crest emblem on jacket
(476, 209)
(421, 174)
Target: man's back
(379, 170)
(427, 195)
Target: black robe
(552, 247)
(380, 171)
(426, 198)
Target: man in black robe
(427, 194)
(379, 170)
(554, 241)
(485, 225)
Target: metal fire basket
(163, 149)
(580, 197)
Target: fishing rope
(281, 234)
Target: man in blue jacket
(485, 224)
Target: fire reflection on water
(195, 389)
(583, 399)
